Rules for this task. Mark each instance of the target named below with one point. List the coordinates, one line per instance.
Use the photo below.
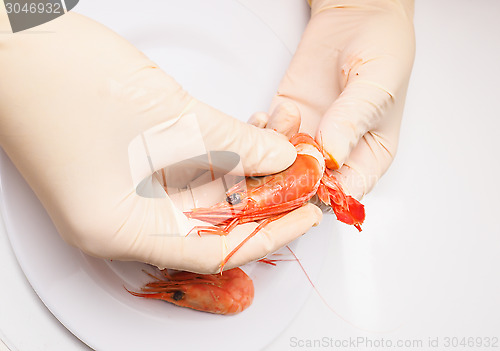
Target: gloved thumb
(202, 137)
(261, 151)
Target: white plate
(223, 62)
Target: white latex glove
(86, 117)
(349, 78)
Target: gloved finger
(373, 154)
(273, 236)
(358, 109)
(259, 119)
(206, 253)
(285, 119)
(210, 139)
(200, 130)
(262, 151)
(367, 162)
(202, 254)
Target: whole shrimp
(271, 197)
(229, 293)
(262, 198)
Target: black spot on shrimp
(233, 199)
(178, 295)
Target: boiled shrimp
(271, 197)
(229, 293)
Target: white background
(426, 264)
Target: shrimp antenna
(328, 305)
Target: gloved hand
(86, 118)
(349, 78)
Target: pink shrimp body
(229, 293)
(258, 198)
(264, 197)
